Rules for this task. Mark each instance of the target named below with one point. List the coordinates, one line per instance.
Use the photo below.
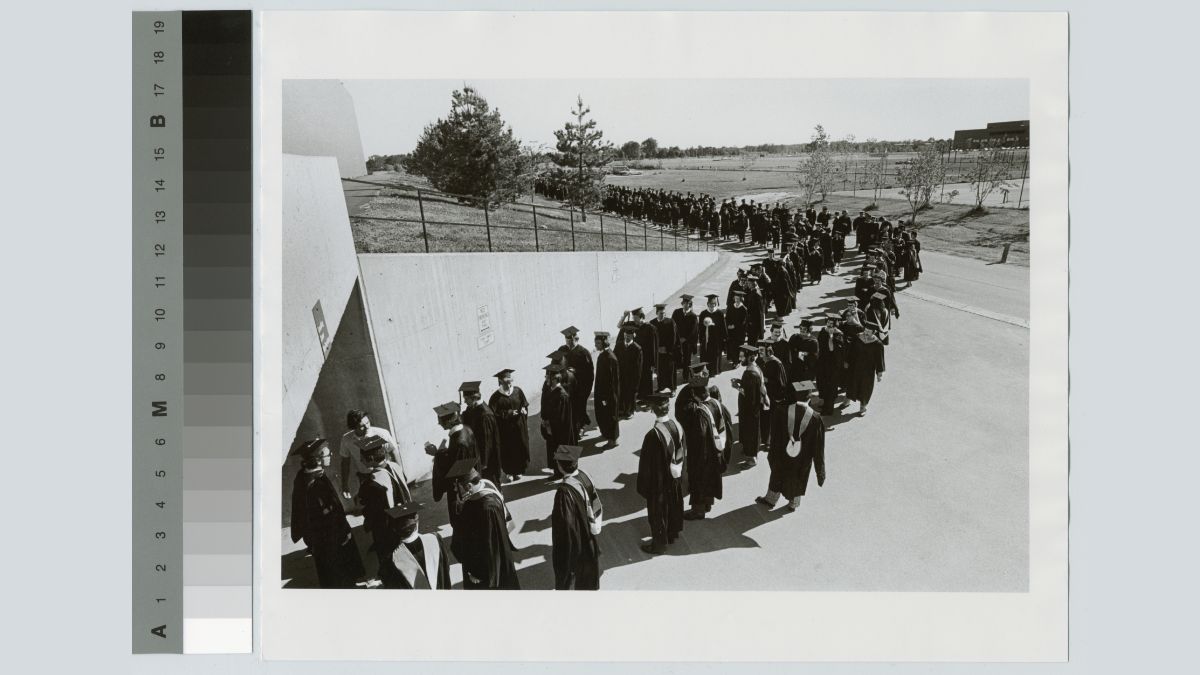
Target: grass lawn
(455, 227)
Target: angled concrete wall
(319, 120)
(319, 265)
(441, 319)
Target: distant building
(995, 135)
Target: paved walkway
(929, 492)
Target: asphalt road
(928, 492)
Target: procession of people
(790, 384)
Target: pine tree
(472, 153)
(582, 152)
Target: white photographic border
(665, 625)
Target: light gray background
(67, 369)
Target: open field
(946, 228)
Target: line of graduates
(486, 444)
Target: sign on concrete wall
(322, 329)
(486, 335)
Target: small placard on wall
(322, 329)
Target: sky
(393, 113)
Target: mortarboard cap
(554, 368)
(629, 326)
(879, 296)
(700, 367)
(463, 468)
(766, 342)
(447, 410)
(371, 443)
(309, 448)
(637, 311)
(805, 387)
(686, 296)
(568, 453)
(833, 316)
(749, 349)
(739, 294)
(804, 323)
(712, 296)
(660, 305)
(570, 331)
(657, 398)
(556, 354)
(504, 373)
(603, 334)
(407, 510)
(469, 387)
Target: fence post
(660, 239)
(601, 231)
(572, 212)
(536, 246)
(645, 238)
(487, 223)
(424, 234)
(1004, 255)
(626, 232)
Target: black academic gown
(320, 521)
(776, 382)
(481, 544)
(422, 564)
(704, 461)
(789, 475)
(686, 324)
(712, 339)
(647, 339)
(557, 426)
(513, 424)
(486, 430)
(580, 360)
(751, 396)
(831, 366)
(662, 446)
(576, 552)
(629, 362)
(460, 446)
(866, 361)
(756, 316)
(606, 397)
(804, 349)
(667, 338)
(735, 331)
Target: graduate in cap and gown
(579, 359)
(878, 318)
(797, 446)
(712, 334)
(831, 361)
(803, 347)
(570, 385)
(629, 361)
(686, 330)
(704, 437)
(753, 403)
(575, 520)
(511, 408)
(458, 445)
(867, 365)
(667, 339)
(481, 541)
(660, 476)
(647, 339)
(319, 520)
(776, 382)
(607, 392)
(756, 313)
(558, 427)
(735, 325)
(382, 488)
(486, 430)
(416, 561)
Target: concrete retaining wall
(319, 120)
(440, 319)
(319, 264)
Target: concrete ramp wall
(319, 119)
(319, 265)
(441, 319)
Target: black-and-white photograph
(656, 334)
